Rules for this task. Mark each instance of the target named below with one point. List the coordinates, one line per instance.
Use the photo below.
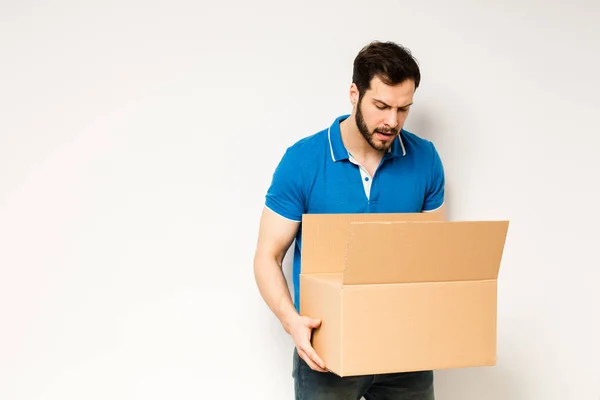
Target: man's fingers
(309, 361)
(310, 352)
(315, 357)
(314, 323)
(305, 350)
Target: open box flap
(404, 252)
(325, 237)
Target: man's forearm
(274, 290)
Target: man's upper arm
(275, 235)
(434, 199)
(284, 206)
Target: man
(363, 163)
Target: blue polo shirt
(318, 175)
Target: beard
(370, 135)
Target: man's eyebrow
(387, 105)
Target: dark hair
(390, 62)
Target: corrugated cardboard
(401, 292)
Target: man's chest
(353, 189)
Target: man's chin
(381, 146)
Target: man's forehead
(396, 96)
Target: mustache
(387, 131)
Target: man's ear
(354, 94)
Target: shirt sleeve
(434, 198)
(285, 195)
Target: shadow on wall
(490, 383)
(422, 124)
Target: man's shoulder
(415, 143)
(310, 142)
(293, 176)
(310, 146)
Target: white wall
(130, 196)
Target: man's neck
(356, 144)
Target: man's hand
(300, 328)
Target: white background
(131, 184)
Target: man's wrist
(287, 315)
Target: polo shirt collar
(339, 152)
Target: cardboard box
(401, 292)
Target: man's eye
(381, 107)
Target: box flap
(325, 237)
(402, 252)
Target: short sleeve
(434, 198)
(285, 194)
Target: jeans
(315, 385)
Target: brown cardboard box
(401, 292)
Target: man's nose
(392, 119)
